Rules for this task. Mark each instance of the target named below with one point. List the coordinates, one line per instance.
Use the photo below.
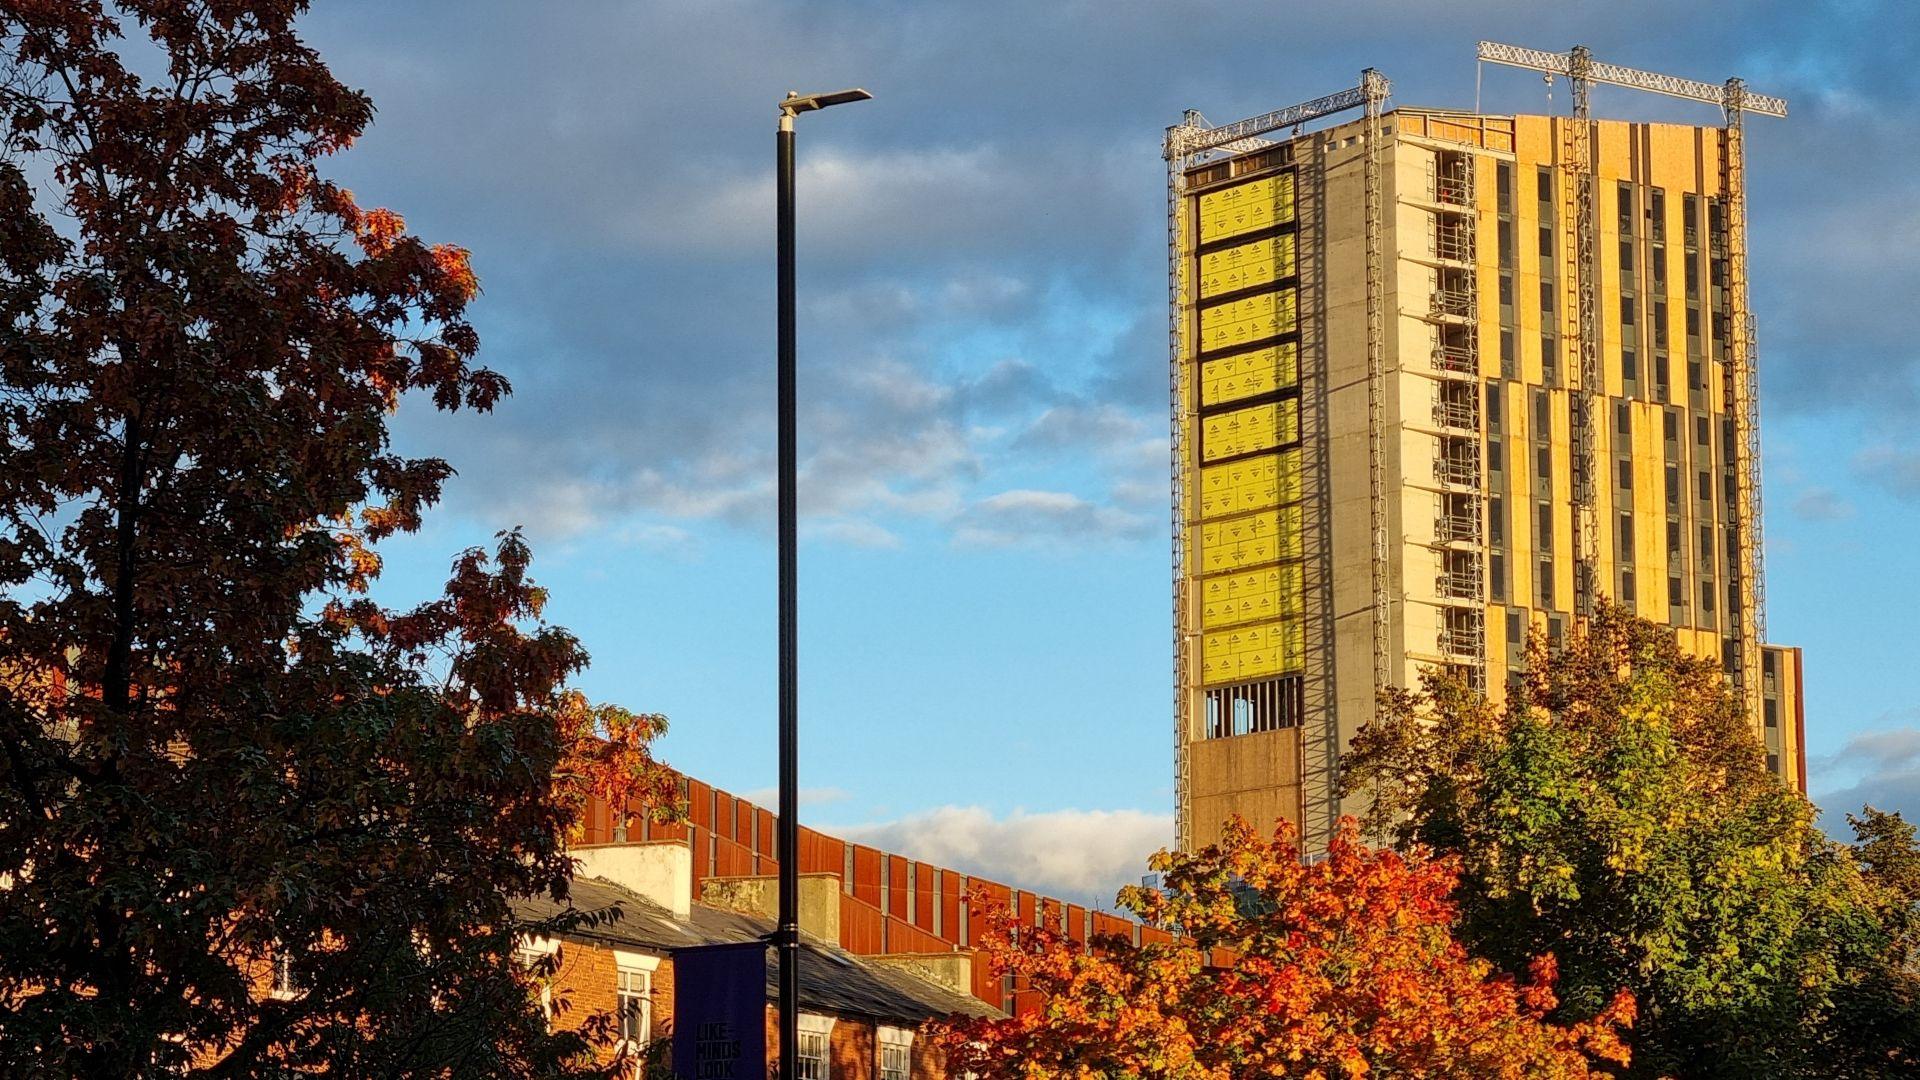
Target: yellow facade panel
(1245, 208)
(1256, 483)
(1244, 266)
(1243, 431)
(1251, 652)
(1250, 374)
(1252, 540)
(1245, 321)
(1262, 595)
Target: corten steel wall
(889, 903)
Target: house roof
(832, 980)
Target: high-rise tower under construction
(1438, 378)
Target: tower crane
(1741, 383)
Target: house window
(895, 1046)
(536, 957)
(811, 1049)
(636, 1007)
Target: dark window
(1546, 296)
(1673, 539)
(1493, 455)
(1694, 379)
(1496, 521)
(1673, 591)
(1659, 324)
(1700, 430)
(1657, 214)
(1772, 708)
(1706, 596)
(1546, 185)
(1629, 366)
(1626, 474)
(1660, 370)
(1540, 414)
(1673, 485)
(1693, 322)
(1670, 424)
(1546, 241)
(1626, 261)
(1626, 587)
(1498, 585)
(1549, 357)
(1543, 463)
(1623, 418)
(1493, 406)
(1706, 485)
(1546, 583)
(1626, 209)
(1626, 537)
(1546, 527)
(1503, 184)
(1706, 546)
(1506, 244)
(1506, 290)
(1659, 265)
(1626, 311)
(1506, 353)
(1515, 635)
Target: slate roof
(832, 980)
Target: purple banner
(720, 1012)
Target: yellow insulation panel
(1245, 208)
(1249, 374)
(1247, 320)
(1242, 431)
(1244, 542)
(1274, 592)
(1249, 652)
(1256, 483)
(1245, 265)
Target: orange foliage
(1345, 967)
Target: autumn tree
(1343, 967)
(218, 757)
(1617, 810)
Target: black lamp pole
(787, 937)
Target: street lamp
(787, 936)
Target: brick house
(860, 1015)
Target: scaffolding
(1188, 144)
(1741, 375)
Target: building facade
(1379, 460)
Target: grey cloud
(992, 223)
(1894, 469)
(1821, 504)
(1875, 768)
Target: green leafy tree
(1616, 811)
(219, 760)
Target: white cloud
(852, 533)
(1083, 856)
(1024, 516)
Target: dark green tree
(217, 755)
(1617, 813)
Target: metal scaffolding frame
(1191, 142)
(1742, 372)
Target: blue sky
(985, 673)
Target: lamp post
(787, 936)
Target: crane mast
(1741, 382)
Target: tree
(1345, 967)
(1617, 810)
(218, 756)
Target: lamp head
(795, 104)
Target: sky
(985, 640)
